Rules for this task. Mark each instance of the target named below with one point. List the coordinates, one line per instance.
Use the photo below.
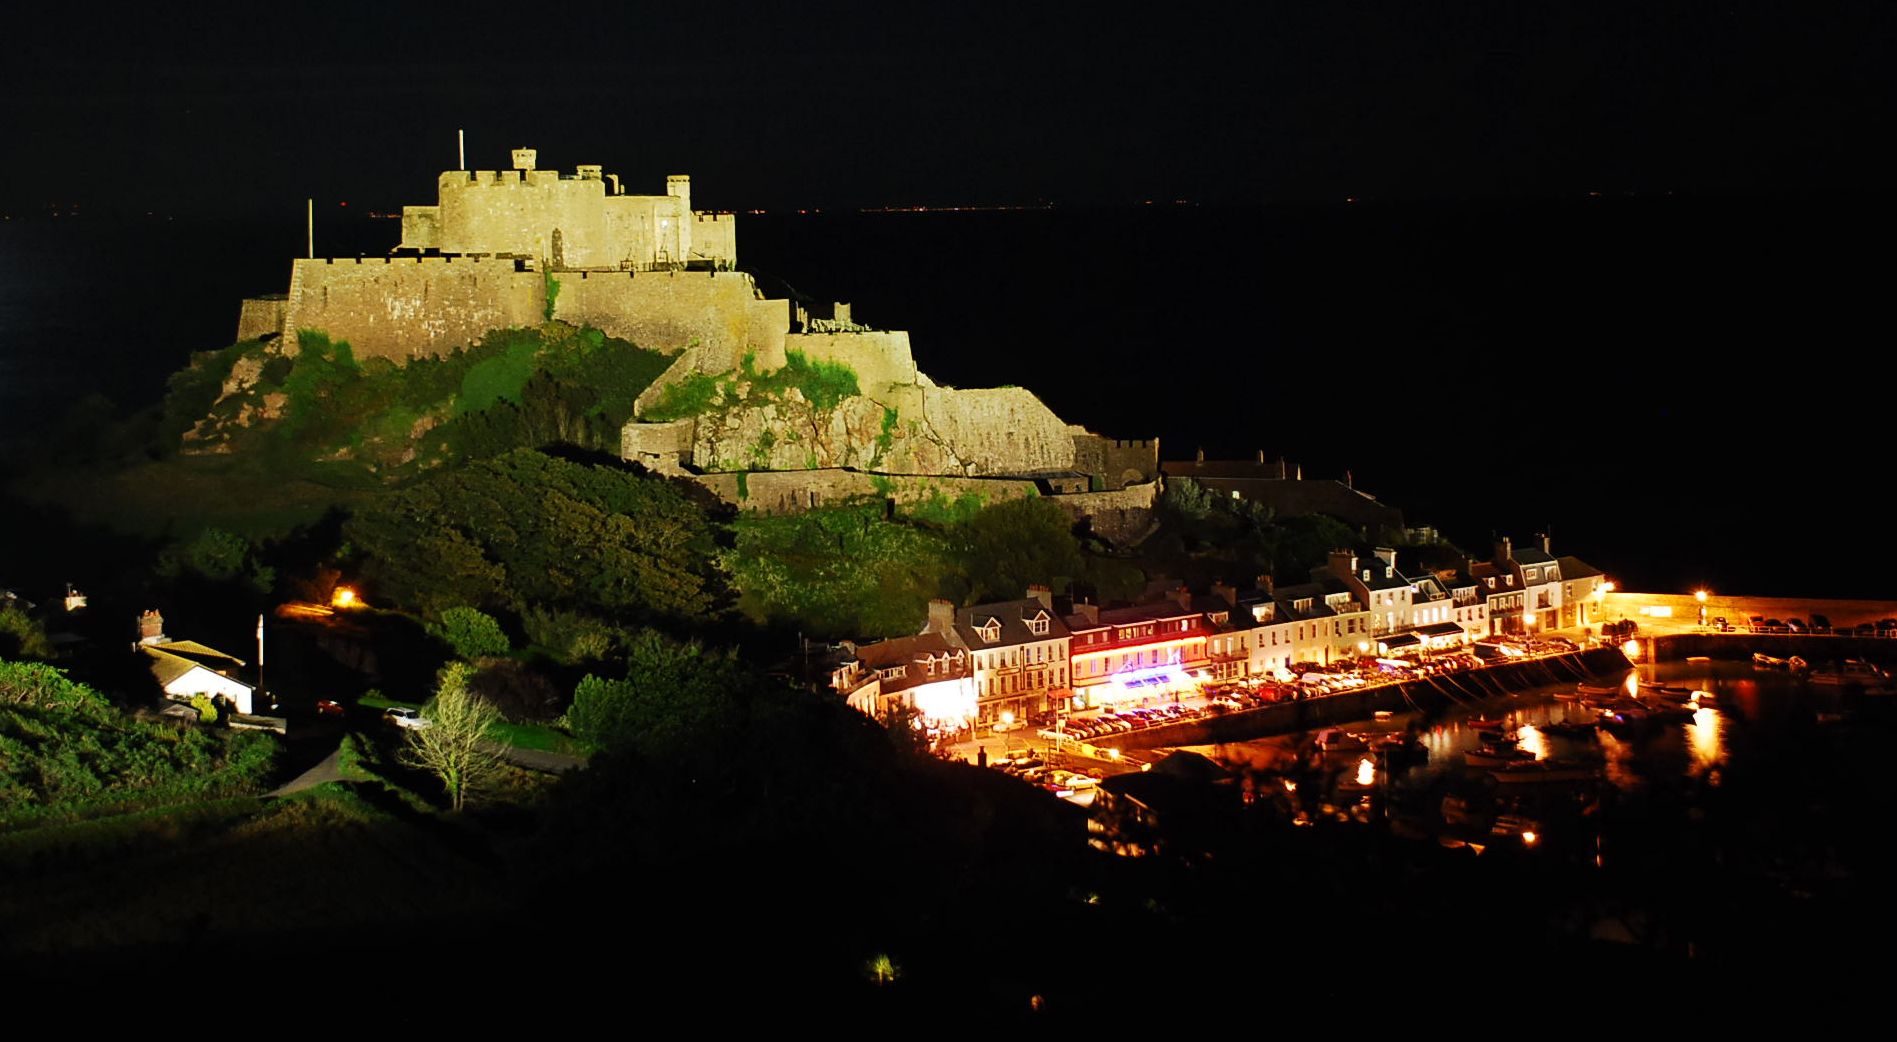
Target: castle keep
(510, 248)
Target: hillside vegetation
(323, 413)
(68, 753)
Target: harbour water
(1757, 826)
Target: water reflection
(1703, 737)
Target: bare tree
(454, 745)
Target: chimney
(840, 311)
(1543, 536)
(1266, 584)
(1388, 557)
(1201, 457)
(1343, 564)
(1225, 591)
(1504, 551)
(151, 628)
(1088, 611)
(1261, 456)
(941, 617)
(1183, 597)
(1044, 594)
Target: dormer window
(990, 631)
(1491, 582)
(1038, 625)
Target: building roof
(169, 668)
(1532, 555)
(914, 655)
(1575, 568)
(900, 650)
(191, 649)
(1013, 618)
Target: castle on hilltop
(769, 405)
(578, 222)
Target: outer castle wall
(880, 358)
(999, 430)
(260, 317)
(408, 308)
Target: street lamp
(1700, 596)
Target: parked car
(1795, 625)
(404, 717)
(329, 707)
(1820, 623)
(1722, 625)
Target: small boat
(1483, 723)
(1667, 692)
(1497, 757)
(1565, 729)
(1599, 689)
(1667, 712)
(1797, 664)
(1761, 660)
(1853, 671)
(1547, 771)
(1567, 696)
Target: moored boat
(1497, 756)
(1599, 689)
(1484, 723)
(1852, 671)
(1570, 729)
(1547, 771)
(1763, 661)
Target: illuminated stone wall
(261, 316)
(410, 307)
(716, 311)
(569, 221)
(998, 430)
(880, 358)
(1119, 462)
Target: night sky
(234, 107)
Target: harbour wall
(1815, 648)
(1430, 694)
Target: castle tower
(679, 186)
(524, 158)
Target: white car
(402, 717)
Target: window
(1491, 582)
(1038, 625)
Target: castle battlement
(568, 221)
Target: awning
(1399, 640)
(1440, 629)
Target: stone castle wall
(881, 358)
(998, 431)
(261, 316)
(716, 311)
(411, 307)
(1118, 462)
(571, 221)
(401, 308)
(1122, 517)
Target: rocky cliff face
(917, 430)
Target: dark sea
(1683, 391)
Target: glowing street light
(344, 597)
(1700, 596)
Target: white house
(185, 668)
